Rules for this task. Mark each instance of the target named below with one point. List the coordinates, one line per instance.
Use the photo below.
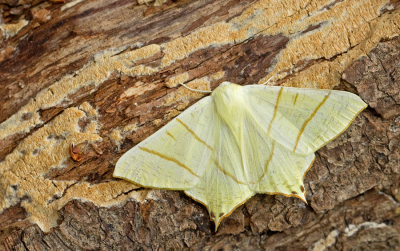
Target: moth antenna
(195, 89)
(267, 80)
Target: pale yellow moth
(239, 141)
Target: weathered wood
(102, 76)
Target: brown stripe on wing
(268, 161)
(169, 134)
(169, 159)
(226, 173)
(194, 134)
(295, 99)
(309, 119)
(275, 110)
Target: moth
(239, 141)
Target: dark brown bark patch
(377, 78)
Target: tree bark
(83, 82)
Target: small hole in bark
(53, 198)
(36, 151)
(26, 198)
(59, 137)
(26, 116)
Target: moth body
(230, 104)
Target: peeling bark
(70, 203)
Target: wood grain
(126, 56)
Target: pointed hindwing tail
(223, 186)
(284, 127)
(270, 167)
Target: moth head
(229, 101)
(225, 83)
(226, 91)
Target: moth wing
(175, 156)
(302, 120)
(270, 167)
(223, 186)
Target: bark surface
(82, 82)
